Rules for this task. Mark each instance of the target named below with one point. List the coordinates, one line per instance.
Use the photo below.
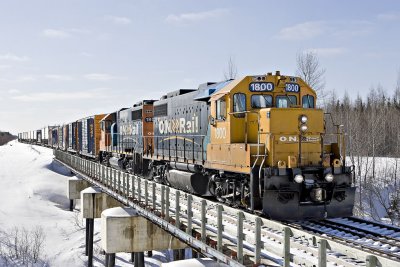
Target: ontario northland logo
(295, 139)
(179, 125)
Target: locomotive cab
(267, 134)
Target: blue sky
(62, 60)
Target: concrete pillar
(75, 186)
(93, 202)
(124, 230)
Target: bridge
(228, 235)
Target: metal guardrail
(229, 235)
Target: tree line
(6, 137)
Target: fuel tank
(194, 183)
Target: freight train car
(125, 135)
(89, 136)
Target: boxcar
(89, 136)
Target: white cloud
(118, 20)
(99, 77)
(196, 16)
(338, 28)
(327, 52)
(51, 96)
(18, 79)
(302, 31)
(13, 57)
(58, 77)
(3, 67)
(57, 34)
(13, 91)
(388, 16)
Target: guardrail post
(163, 200)
(124, 187)
(146, 193)
(372, 261)
(153, 195)
(127, 186)
(203, 221)
(286, 247)
(133, 186)
(114, 184)
(177, 209)
(102, 175)
(90, 169)
(219, 227)
(108, 177)
(258, 241)
(167, 203)
(240, 237)
(119, 182)
(189, 215)
(322, 253)
(139, 189)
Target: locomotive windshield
(285, 101)
(261, 101)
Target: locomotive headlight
(298, 178)
(303, 119)
(329, 177)
(303, 128)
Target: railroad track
(377, 238)
(230, 235)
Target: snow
(33, 192)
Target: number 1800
(261, 87)
(292, 87)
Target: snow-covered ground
(33, 194)
(378, 179)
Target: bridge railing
(227, 234)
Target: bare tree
(396, 97)
(231, 72)
(310, 70)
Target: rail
(218, 231)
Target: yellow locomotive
(268, 128)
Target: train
(257, 143)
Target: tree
(231, 72)
(310, 70)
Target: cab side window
(239, 104)
(308, 101)
(221, 109)
(286, 101)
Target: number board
(261, 87)
(292, 87)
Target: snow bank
(33, 193)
